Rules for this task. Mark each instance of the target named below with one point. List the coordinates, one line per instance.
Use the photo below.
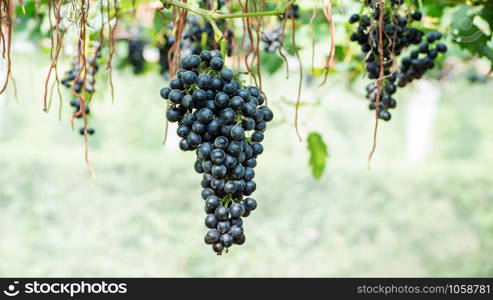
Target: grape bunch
(194, 39)
(230, 39)
(135, 55)
(421, 59)
(293, 12)
(87, 82)
(398, 35)
(223, 121)
(163, 53)
(272, 40)
(191, 42)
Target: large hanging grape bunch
(397, 35)
(215, 114)
(136, 55)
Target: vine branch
(213, 16)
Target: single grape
(223, 227)
(222, 213)
(235, 231)
(216, 63)
(212, 236)
(164, 94)
(227, 74)
(226, 240)
(211, 221)
(236, 210)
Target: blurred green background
(143, 214)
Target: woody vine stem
(213, 16)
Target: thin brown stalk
(310, 25)
(330, 59)
(379, 81)
(298, 98)
(6, 7)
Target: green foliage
(340, 54)
(271, 62)
(468, 35)
(463, 26)
(318, 154)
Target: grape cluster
(88, 82)
(192, 41)
(398, 35)
(230, 37)
(272, 40)
(192, 38)
(135, 55)
(293, 12)
(421, 59)
(215, 113)
(163, 53)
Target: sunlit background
(424, 208)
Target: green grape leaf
(435, 9)
(289, 47)
(487, 15)
(270, 62)
(469, 36)
(340, 53)
(318, 154)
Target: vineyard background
(142, 215)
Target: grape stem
(213, 16)
(381, 77)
